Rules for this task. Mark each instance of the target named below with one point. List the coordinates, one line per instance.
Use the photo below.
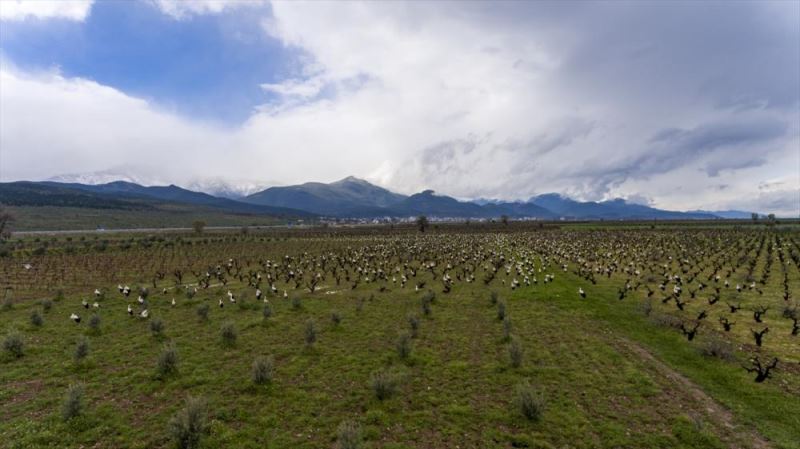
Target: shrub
(413, 323)
(73, 402)
(36, 318)
(14, 345)
(493, 298)
(336, 319)
(426, 306)
(189, 425)
(716, 347)
(646, 307)
(266, 312)
(94, 322)
(384, 384)
(157, 327)
(429, 297)
(311, 333)
(501, 310)
(81, 349)
(202, 312)
(515, 353)
(404, 346)
(297, 304)
(360, 305)
(262, 370)
(349, 435)
(228, 334)
(529, 401)
(507, 328)
(167, 361)
(47, 305)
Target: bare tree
(199, 226)
(422, 223)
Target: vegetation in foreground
(474, 338)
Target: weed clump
(36, 318)
(349, 435)
(94, 323)
(262, 370)
(311, 333)
(81, 350)
(515, 353)
(403, 346)
(266, 312)
(202, 312)
(501, 310)
(189, 425)
(167, 361)
(413, 323)
(716, 347)
(14, 345)
(228, 334)
(384, 384)
(529, 401)
(157, 327)
(46, 305)
(73, 402)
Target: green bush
(73, 402)
(14, 345)
(228, 334)
(384, 384)
(167, 361)
(189, 425)
(262, 370)
(529, 401)
(349, 435)
(81, 349)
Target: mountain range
(347, 198)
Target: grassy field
(53, 218)
(604, 371)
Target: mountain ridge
(352, 197)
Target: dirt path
(742, 437)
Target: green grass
(456, 387)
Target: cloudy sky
(680, 105)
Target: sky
(678, 105)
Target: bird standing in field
(581, 292)
(74, 317)
(130, 310)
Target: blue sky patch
(206, 67)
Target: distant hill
(617, 209)
(348, 197)
(126, 195)
(730, 214)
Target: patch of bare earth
(736, 436)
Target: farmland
(461, 336)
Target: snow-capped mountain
(220, 187)
(105, 177)
(225, 188)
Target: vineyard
(459, 337)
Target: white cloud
(181, 9)
(469, 100)
(45, 9)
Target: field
(477, 336)
(51, 218)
